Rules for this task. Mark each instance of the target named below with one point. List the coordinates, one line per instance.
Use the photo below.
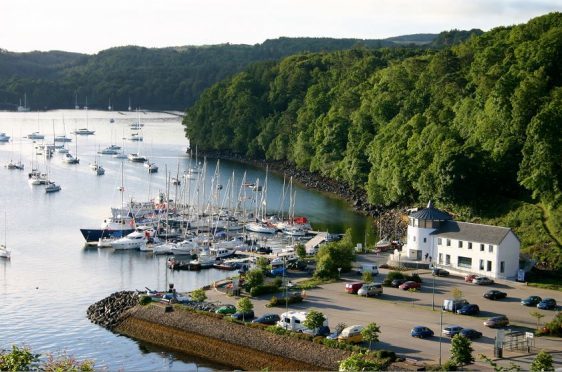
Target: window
(439, 241)
(460, 243)
(502, 267)
(447, 259)
(414, 238)
(481, 264)
(425, 240)
(481, 247)
(448, 242)
(465, 262)
(490, 248)
(440, 258)
(489, 266)
(469, 245)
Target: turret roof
(431, 213)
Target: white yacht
(84, 131)
(137, 158)
(260, 227)
(62, 138)
(69, 159)
(152, 167)
(4, 137)
(35, 136)
(134, 240)
(96, 167)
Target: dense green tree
(314, 320)
(371, 333)
(253, 278)
(461, 350)
(334, 255)
(542, 362)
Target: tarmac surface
(397, 312)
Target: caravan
(294, 321)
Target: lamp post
(286, 286)
(433, 291)
(339, 272)
(440, 334)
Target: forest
(474, 126)
(158, 78)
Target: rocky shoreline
(210, 337)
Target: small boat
(294, 231)
(69, 159)
(4, 137)
(84, 131)
(4, 252)
(137, 158)
(96, 167)
(62, 139)
(108, 151)
(229, 266)
(121, 155)
(37, 178)
(112, 120)
(135, 137)
(62, 150)
(175, 181)
(136, 125)
(152, 167)
(35, 136)
(12, 165)
(192, 265)
(52, 187)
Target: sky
(88, 26)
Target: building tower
(420, 226)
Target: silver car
(370, 289)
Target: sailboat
(76, 107)
(12, 164)
(122, 154)
(109, 108)
(51, 185)
(84, 131)
(97, 167)
(4, 252)
(23, 108)
(68, 158)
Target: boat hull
(94, 235)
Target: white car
(370, 289)
(482, 280)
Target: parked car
(323, 331)
(397, 282)
(439, 272)
(370, 289)
(226, 309)
(245, 316)
(482, 280)
(469, 278)
(353, 287)
(351, 334)
(453, 304)
(409, 285)
(270, 319)
(452, 330)
(497, 321)
(494, 294)
(547, 304)
(469, 309)
(470, 333)
(421, 332)
(531, 301)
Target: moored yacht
(134, 240)
(96, 167)
(137, 158)
(152, 167)
(62, 138)
(52, 187)
(14, 165)
(4, 137)
(260, 227)
(69, 159)
(35, 136)
(84, 131)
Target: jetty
(311, 245)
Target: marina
(53, 274)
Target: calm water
(51, 279)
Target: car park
(470, 333)
(482, 280)
(353, 287)
(439, 272)
(269, 319)
(245, 316)
(351, 334)
(397, 282)
(410, 285)
(469, 278)
(469, 309)
(370, 289)
(531, 301)
(497, 321)
(452, 330)
(421, 332)
(494, 294)
(547, 304)
(226, 309)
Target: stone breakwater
(236, 345)
(109, 311)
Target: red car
(353, 287)
(469, 278)
(409, 285)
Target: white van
(294, 321)
(371, 268)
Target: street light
(433, 291)
(339, 272)
(440, 334)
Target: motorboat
(62, 150)
(294, 231)
(108, 151)
(204, 259)
(120, 155)
(136, 126)
(112, 120)
(135, 137)
(52, 187)
(134, 240)
(219, 252)
(62, 138)
(137, 158)
(69, 159)
(35, 136)
(184, 247)
(96, 167)
(4, 252)
(37, 178)
(83, 131)
(152, 167)
(12, 165)
(4, 137)
(175, 181)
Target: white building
(462, 247)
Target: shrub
(367, 276)
(414, 277)
(277, 282)
(145, 300)
(542, 362)
(199, 295)
(263, 289)
(391, 276)
(361, 362)
(277, 330)
(253, 278)
(552, 328)
(274, 301)
(244, 305)
(280, 301)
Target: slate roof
(472, 232)
(431, 213)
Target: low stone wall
(228, 343)
(108, 312)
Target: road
(397, 311)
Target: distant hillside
(153, 78)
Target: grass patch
(313, 283)
(546, 283)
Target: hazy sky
(91, 26)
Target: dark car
(323, 331)
(547, 304)
(470, 333)
(245, 316)
(397, 282)
(226, 309)
(410, 285)
(531, 301)
(270, 319)
(469, 309)
(439, 272)
(494, 294)
(421, 332)
(497, 321)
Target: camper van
(351, 334)
(294, 321)
(370, 268)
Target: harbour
(52, 277)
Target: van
(351, 334)
(370, 289)
(454, 304)
(371, 268)
(294, 321)
(353, 287)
